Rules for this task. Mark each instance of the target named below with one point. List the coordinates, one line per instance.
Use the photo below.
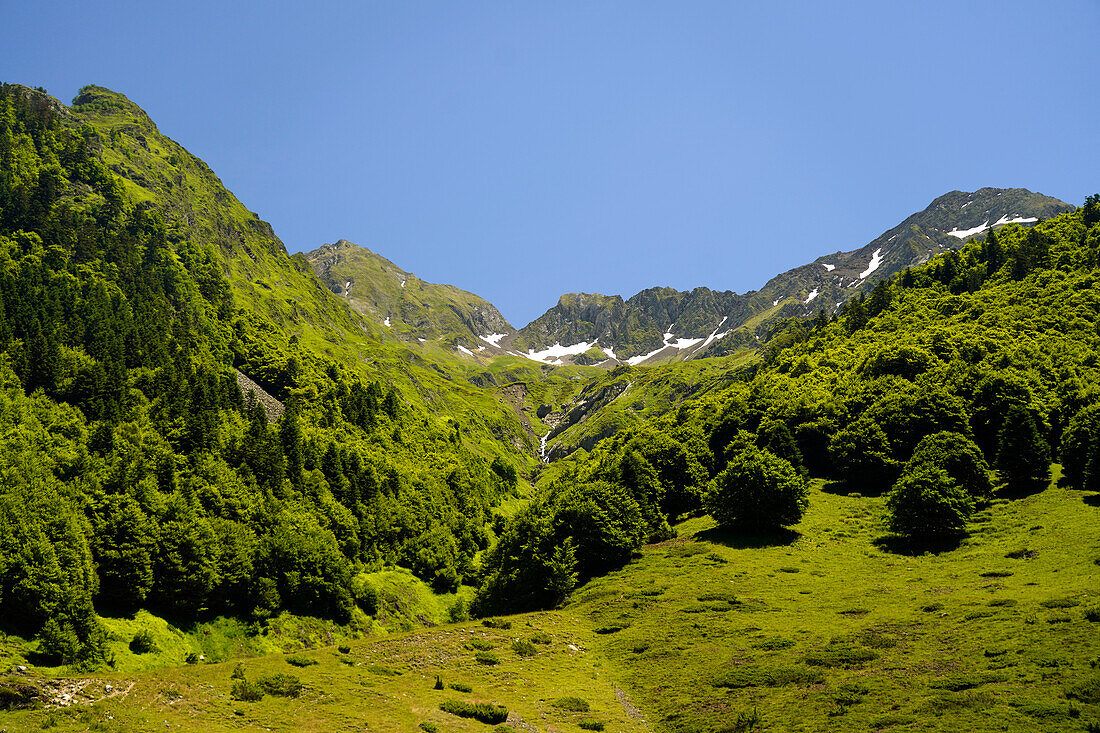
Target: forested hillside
(968, 374)
(135, 474)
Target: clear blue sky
(521, 150)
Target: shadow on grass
(742, 539)
(898, 545)
(1092, 500)
(1022, 489)
(844, 488)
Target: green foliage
(959, 458)
(131, 285)
(246, 691)
(487, 658)
(482, 711)
(757, 492)
(862, 456)
(524, 648)
(927, 504)
(460, 687)
(1023, 455)
(281, 685)
(142, 643)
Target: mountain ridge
(662, 324)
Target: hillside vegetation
(136, 474)
(884, 519)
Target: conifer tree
(1023, 454)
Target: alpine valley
(242, 489)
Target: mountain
(411, 308)
(663, 324)
(137, 297)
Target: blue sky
(521, 150)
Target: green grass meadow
(828, 627)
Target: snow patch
(714, 335)
(386, 322)
(610, 352)
(876, 260)
(1016, 220)
(493, 338)
(964, 233)
(828, 267)
(421, 340)
(403, 283)
(967, 204)
(635, 360)
(683, 343)
(813, 294)
(347, 288)
(464, 350)
(775, 302)
(557, 351)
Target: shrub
(238, 672)
(959, 457)
(142, 643)
(862, 456)
(524, 648)
(344, 649)
(460, 687)
(1059, 603)
(482, 645)
(429, 727)
(496, 623)
(541, 638)
(758, 492)
(1086, 691)
(246, 691)
(591, 724)
(572, 704)
(191, 658)
(299, 661)
(849, 693)
(928, 505)
(438, 683)
(281, 685)
(609, 629)
(483, 711)
(487, 659)
(458, 611)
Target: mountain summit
(400, 301)
(663, 324)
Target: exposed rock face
(272, 407)
(664, 324)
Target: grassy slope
(966, 638)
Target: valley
(242, 489)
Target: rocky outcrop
(272, 407)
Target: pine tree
(1023, 455)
